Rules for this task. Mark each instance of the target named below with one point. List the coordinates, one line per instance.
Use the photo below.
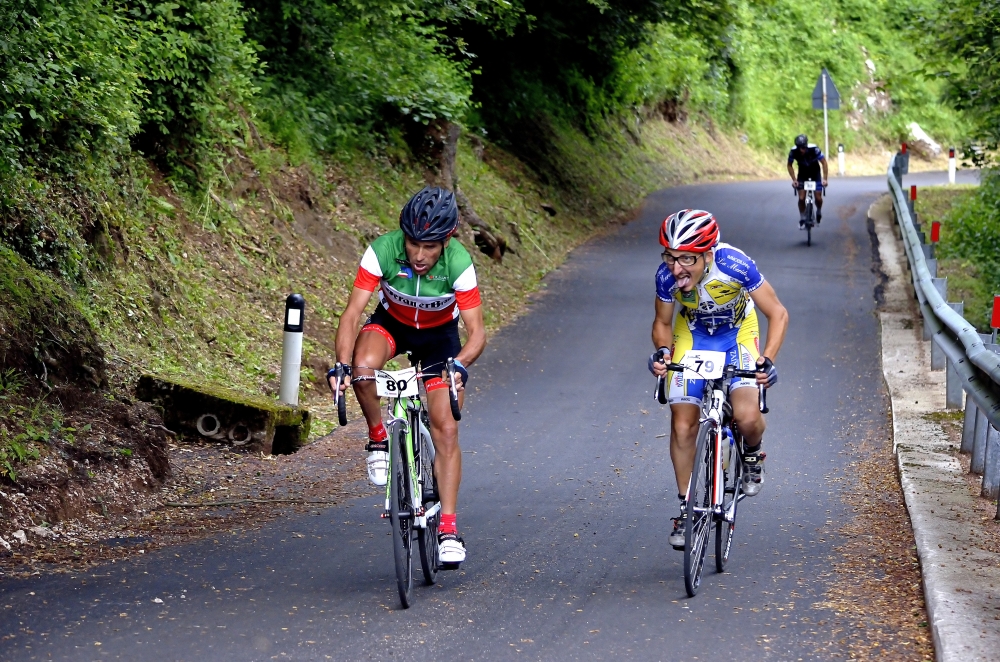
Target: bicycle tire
(724, 530)
(810, 221)
(401, 514)
(342, 409)
(427, 537)
(698, 525)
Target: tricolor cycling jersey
(419, 301)
(722, 299)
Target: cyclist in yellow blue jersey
(426, 282)
(719, 291)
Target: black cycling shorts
(429, 348)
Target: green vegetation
(969, 251)
(169, 171)
(966, 35)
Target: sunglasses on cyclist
(683, 260)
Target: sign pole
(826, 124)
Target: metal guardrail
(972, 364)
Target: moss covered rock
(42, 329)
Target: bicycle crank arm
(406, 514)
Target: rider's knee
(750, 420)
(446, 433)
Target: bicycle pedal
(449, 566)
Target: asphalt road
(567, 494)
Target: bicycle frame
(407, 411)
(712, 409)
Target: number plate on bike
(708, 365)
(809, 186)
(396, 383)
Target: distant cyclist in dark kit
(810, 159)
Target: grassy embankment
(194, 286)
(971, 276)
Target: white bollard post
(291, 349)
(951, 165)
(840, 159)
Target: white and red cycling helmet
(693, 230)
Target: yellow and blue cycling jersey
(717, 315)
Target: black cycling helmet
(801, 140)
(430, 215)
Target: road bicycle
(716, 485)
(411, 494)
(810, 220)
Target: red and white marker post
(995, 318)
(951, 165)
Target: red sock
(447, 524)
(378, 433)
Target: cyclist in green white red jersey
(426, 282)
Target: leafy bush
(336, 72)
(70, 94)
(972, 234)
(197, 68)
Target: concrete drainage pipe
(240, 434)
(208, 425)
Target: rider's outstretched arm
(663, 334)
(350, 320)
(767, 302)
(476, 327)
(663, 324)
(826, 170)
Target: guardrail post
(938, 359)
(928, 249)
(979, 444)
(942, 287)
(969, 425)
(991, 474)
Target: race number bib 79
(708, 364)
(809, 185)
(396, 383)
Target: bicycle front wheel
(699, 508)
(401, 513)
(427, 537)
(724, 529)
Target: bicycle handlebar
(338, 396)
(731, 371)
(456, 413)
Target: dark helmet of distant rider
(430, 215)
(801, 141)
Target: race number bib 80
(397, 383)
(707, 364)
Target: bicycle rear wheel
(699, 508)
(724, 530)
(427, 537)
(401, 513)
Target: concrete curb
(961, 579)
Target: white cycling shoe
(378, 467)
(451, 549)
